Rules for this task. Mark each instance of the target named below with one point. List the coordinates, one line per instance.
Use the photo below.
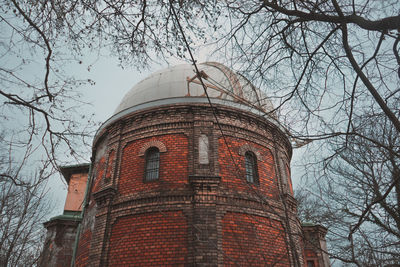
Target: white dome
(180, 85)
(181, 82)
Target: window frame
(156, 164)
(250, 164)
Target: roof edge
(68, 170)
(187, 100)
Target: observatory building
(191, 170)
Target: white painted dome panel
(181, 81)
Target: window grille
(251, 167)
(152, 164)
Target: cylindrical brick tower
(178, 181)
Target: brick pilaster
(204, 220)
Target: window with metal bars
(251, 167)
(152, 164)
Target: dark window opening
(251, 167)
(152, 164)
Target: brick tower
(177, 181)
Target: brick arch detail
(154, 143)
(244, 148)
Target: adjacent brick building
(181, 179)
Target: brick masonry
(58, 246)
(82, 257)
(250, 240)
(62, 230)
(133, 237)
(173, 166)
(201, 211)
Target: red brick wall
(151, 239)
(110, 164)
(76, 192)
(173, 165)
(236, 180)
(99, 172)
(82, 256)
(250, 240)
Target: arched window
(251, 167)
(152, 164)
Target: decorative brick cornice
(105, 195)
(251, 204)
(134, 203)
(179, 113)
(62, 222)
(202, 183)
(154, 143)
(315, 229)
(243, 149)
